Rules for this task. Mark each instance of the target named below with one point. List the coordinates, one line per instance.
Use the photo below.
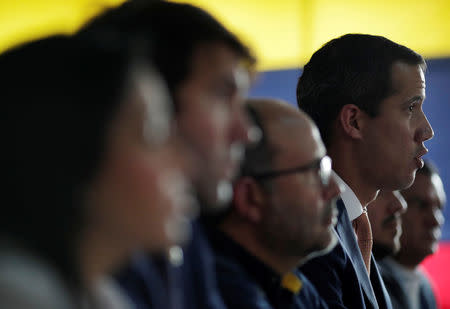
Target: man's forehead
(218, 63)
(404, 74)
(439, 187)
(425, 187)
(296, 138)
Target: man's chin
(326, 248)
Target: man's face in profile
(392, 144)
(301, 212)
(423, 220)
(212, 119)
(385, 219)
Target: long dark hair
(57, 99)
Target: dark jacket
(399, 295)
(246, 282)
(154, 283)
(341, 277)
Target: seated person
(385, 220)
(406, 283)
(282, 213)
(88, 150)
(205, 67)
(354, 88)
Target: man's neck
(381, 251)
(98, 255)
(348, 170)
(407, 260)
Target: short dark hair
(176, 30)
(58, 98)
(352, 69)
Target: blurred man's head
(91, 156)
(423, 219)
(385, 219)
(206, 70)
(365, 93)
(283, 203)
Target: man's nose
(425, 131)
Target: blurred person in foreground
(207, 72)
(406, 283)
(365, 94)
(90, 159)
(282, 214)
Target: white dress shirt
(352, 204)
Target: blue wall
(281, 84)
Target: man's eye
(411, 107)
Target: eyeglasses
(323, 165)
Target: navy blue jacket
(341, 277)
(144, 282)
(245, 282)
(156, 284)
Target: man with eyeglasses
(283, 213)
(365, 94)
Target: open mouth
(418, 159)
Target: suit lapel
(383, 299)
(391, 282)
(348, 241)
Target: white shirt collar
(352, 204)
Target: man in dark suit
(406, 283)
(207, 71)
(365, 94)
(282, 213)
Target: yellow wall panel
(23, 20)
(286, 33)
(282, 33)
(421, 25)
(272, 29)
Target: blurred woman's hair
(57, 99)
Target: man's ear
(248, 199)
(351, 118)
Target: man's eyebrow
(417, 98)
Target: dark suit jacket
(154, 283)
(399, 295)
(245, 282)
(142, 280)
(340, 276)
